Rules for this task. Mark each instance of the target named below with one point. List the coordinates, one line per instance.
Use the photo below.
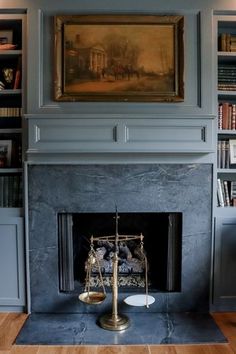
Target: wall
(196, 113)
(193, 118)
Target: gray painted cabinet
(12, 265)
(224, 297)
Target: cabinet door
(224, 292)
(12, 278)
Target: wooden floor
(10, 324)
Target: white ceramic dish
(139, 300)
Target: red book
(225, 115)
(17, 82)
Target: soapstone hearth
(176, 317)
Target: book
(17, 81)
(220, 193)
(226, 193)
(220, 116)
(225, 115)
(233, 120)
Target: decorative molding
(90, 135)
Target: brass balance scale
(112, 321)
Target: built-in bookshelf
(12, 98)
(226, 134)
(11, 54)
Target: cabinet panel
(12, 261)
(225, 263)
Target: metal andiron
(112, 321)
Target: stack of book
(223, 154)
(227, 42)
(10, 191)
(10, 112)
(227, 77)
(226, 193)
(227, 116)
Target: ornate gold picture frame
(119, 58)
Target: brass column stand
(114, 321)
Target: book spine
(220, 116)
(226, 190)
(17, 81)
(220, 193)
(225, 115)
(233, 122)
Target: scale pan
(92, 297)
(139, 300)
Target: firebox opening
(162, 243)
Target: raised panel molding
(11, 261)
(74, 133)
(167, 135)
(80, 135)
(224, 296)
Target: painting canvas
(124, 58)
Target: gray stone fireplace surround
(184, 188)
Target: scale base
(112, 323)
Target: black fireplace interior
(162, 243)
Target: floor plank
(3, 316)
(10, 326)
(205, 349)
(162, 349)
(227, 323)
(24, 349)
(93, 350)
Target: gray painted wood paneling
(12, 261)
(54, 136)
(224, 297)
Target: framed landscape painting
(119, 58)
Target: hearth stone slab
(149, 328)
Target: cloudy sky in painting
(155, 42)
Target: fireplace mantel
(57, 137)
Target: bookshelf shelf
(226, 170)
(10, 131)
(226, 54)
(10, 92)
(10, 170)
(226, 94)
(225, 212)
(13, 52)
